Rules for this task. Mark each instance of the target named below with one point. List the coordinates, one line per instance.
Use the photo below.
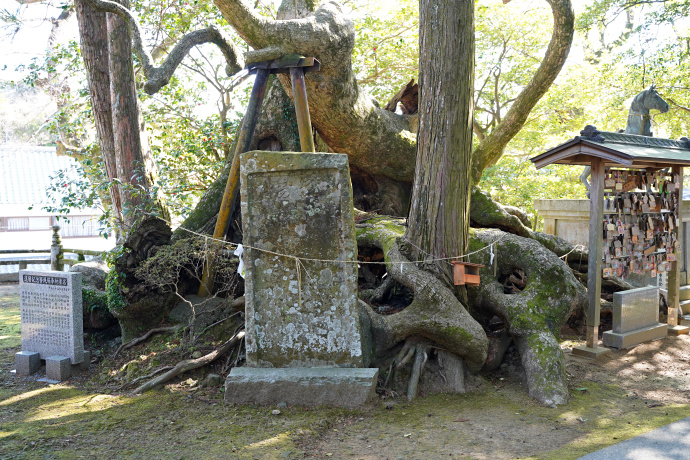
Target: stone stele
(51, 314)
(635, 318)
(301, 314)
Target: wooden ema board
(465, 273)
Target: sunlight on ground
(275, 441)
(65, 407)
(59, 406)
(5, 434)
(26, 396)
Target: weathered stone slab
(636, 337)
(51, 314)
(315, 386)
(299, 313)
(27, 362)
(635, 309)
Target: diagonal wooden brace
(296, 65)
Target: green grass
(10, 329)
(82, 419)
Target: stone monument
(635, 318)
(303, 337)
(51, 323)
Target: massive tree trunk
(347, 120)
(439, 215)
(106, 48)
(93, 36)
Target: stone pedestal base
(313, 386)
(678, 330)
(58, 368)
(636, 337)
(27, 362)
(592, 353)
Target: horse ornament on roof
(639, 119)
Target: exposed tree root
(487, 213)
(534, 315)
(144, 377)
(421, 352)
(145, 337)
(435, 313)
(189, 364)
(384, 288)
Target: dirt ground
(93, 416)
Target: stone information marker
(635, 318)
(51, 323)
(302, 325)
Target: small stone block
(27, 362)
(592, 353)
(58, 368)
(312, 386)
(678, 330)
(633, 338)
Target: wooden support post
(596, 217)
(299, 92)
(232, 187)
(674, 275)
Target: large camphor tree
(421, 162)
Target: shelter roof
(617, 149)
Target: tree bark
(376, 140)
(94, 51)
(125, 112)
(135, 164)
(439, 215)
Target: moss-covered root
(435, 313)
(485, 212)
(535, 315)
(544, 365)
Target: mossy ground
(633, 392)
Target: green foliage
(386, 50)
(190, 150)
(113, 284)
(514, 181)
(70, 189)
(92, 300)
(510, 43)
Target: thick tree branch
(157, 77)
(491, 148)
(347, 120)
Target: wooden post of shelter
(596, 216)
(673, 297)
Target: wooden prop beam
(596, 218)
